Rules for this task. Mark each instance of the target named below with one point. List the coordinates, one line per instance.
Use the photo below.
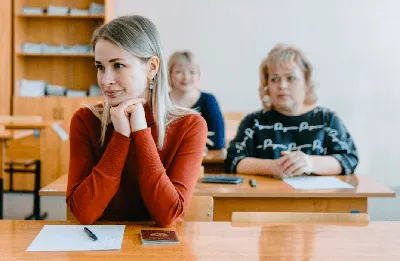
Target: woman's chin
(114, 101)
(283, 106)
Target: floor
(17, 206)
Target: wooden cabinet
(76, 71)
(5, 52)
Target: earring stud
(151, 87)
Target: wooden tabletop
(5, 135)
(56, 188)
(226, 241)
(18, 122)
(18, 125)
(266, 187)
(276, 188)
(215, 156)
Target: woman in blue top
(184, 79)
(291, 135)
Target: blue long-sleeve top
(208, 107)
(265, 134)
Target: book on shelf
(57, 10)
(76, 11)
(55, 90)
(52, 10)
(95, 91)
(28, 10)
(76, 93)
(32, 88)
(96, 9)
(34, 48)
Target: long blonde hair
(139, 36)
(279, 56)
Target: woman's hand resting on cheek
(137, 117)
(120, 115)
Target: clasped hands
(129, 116)
(292, 163)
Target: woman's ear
(153, 64)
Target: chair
(31, 166)
(298, 217)
(201, 208)
(16, 164)
(232, 121)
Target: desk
(57, 188)
(4, 136)
(8, 135)
(226, 241)
(273, 195)
(214, 161)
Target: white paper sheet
(317, 183)
(74, 238)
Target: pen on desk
(253, 183)
(90, 234)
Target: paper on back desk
(74, 238)
(306, 182)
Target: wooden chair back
(232, 121)
(201, 208)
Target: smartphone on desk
(222, 179)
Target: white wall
(353, 45)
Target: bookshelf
(75, 71)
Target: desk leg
(2, 159)
(223, 207)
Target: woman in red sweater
(136, 157)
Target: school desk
(4, 136)
(274, 195)
(214, 161)
(6, 128)
(226, 241)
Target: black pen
(253, 183)
(90, 234)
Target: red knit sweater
(129, 179)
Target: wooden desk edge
(59, 187)
(298, 195)
(48, 192)
(52, 193)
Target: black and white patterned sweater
(264, 134)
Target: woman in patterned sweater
(291, 136)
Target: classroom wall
(353, 45)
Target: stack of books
(32, 88)
(55, 90)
